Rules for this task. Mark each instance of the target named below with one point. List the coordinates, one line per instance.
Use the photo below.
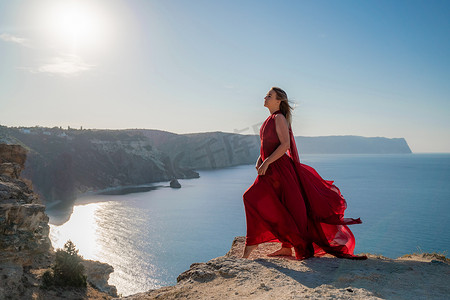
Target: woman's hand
(258, 163)
(263, 168)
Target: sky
(368, 68)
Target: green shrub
(67, 270)
(47, 279)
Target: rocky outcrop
(175, 184)
(98, 274)
(25, 248)
(24, 241)
(14, 154)
(12, 160)
(261, 277)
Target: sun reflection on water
(81, 229)
(116, 233)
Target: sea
(151, 237)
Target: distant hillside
(350, 144)
(63, 163)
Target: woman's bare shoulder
(279, 115)
(280, 118)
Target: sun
(75, 25)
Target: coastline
(60, 212)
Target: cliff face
(66, 163)
(25, 248)
(211, 150)
(261, 277)
(24, 241)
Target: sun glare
(74, 25)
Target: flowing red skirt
(292, 204)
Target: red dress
(292, 204)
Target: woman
(289, 202)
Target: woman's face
(270, 100)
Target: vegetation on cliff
(67, 269)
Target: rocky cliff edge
(423, 276)
(25, 248)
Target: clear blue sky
(370, 68)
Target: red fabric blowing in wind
(292, 204)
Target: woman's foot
(248, 250)
(282, 252)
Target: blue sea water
(150, 238)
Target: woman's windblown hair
(285, 106)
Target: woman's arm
(258, 162)
(282, 129)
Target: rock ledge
(231, 277)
